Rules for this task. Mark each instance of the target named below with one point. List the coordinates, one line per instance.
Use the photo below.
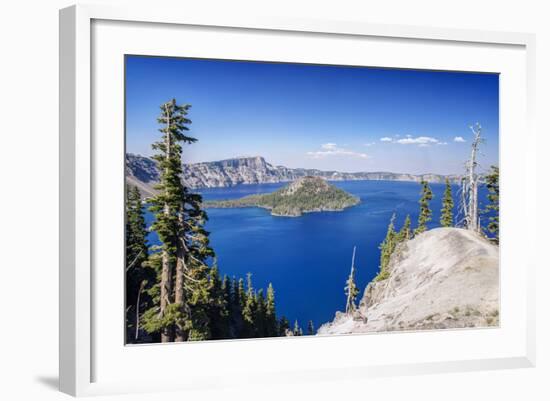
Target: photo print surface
(284, 200)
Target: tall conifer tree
(493, 208)
(310, 328)
(297, 331)
(284, 326)
(446, 218)
(270, 313)
(405, 233)
(196, 300)
(260, 321)
(425, 215)
(386, 249)
(218, 315)
(166, 206)
(249, 310)
(179, 223)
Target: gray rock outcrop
(443, 278)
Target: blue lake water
(308, 258)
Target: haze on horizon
(348, 119)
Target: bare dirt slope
(443, 278)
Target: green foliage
(249, 310)
(386, 249)
(405, 233)
(184, 294)
(351, 289)
(218, 311)
(425, 215)
(260, 315)
(306, 195)
(297, 331)
(139, 277)
(167, 204)
(310, 328)
(493, 208)
(284, 325)
(200, 303)
(446, 218)
(270, 313)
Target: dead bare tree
(470, 182)
(351, 287)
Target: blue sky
(325, 117)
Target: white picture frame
(88, 364)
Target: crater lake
(308, 258)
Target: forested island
(305, 195)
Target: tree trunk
(471, 210)
(165, 292)
(349, 303)
(167, 334)
(179, 292)
(137, 308)
(475, 213)
(472, 216)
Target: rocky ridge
(443, 278)
(142, 171)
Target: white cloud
(459, 139)
(331, 149)
(328, 146)
(369, 144)
(421, 140)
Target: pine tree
(167, 207)
(446, 218)
(227, 294)
(386, 249)
(179, 222)
(351, 289)
(493, 208)
(237, 302)
(196, 299)
(310, 328)
(405, 233)
(425, 215)
(138, 275)
(297, 331)
(249, 310)
(270, 313)
(284, 326)
(260, 315)
(218, 315)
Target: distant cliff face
(443, 278)
(142, 171)
(226, 173)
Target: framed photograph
(287, 200)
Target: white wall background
(29, 185)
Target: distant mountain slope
(443, 278)
(142, 171)
(305, 195)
